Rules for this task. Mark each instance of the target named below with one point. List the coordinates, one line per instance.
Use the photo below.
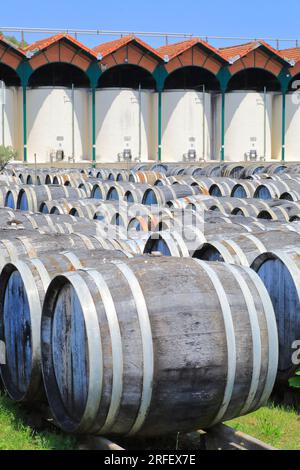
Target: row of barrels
(31, 198)
(222, 169)
(113, 357)
(28, 197)
(68, 200)
(108, 220)
(276, 210)
(150, 344)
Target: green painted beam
(94, 126)
(160, 74)
(223, 127)
(24, 90)
(283, 125)
(159, 125)
(223, 76)
(24, 71)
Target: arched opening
(10, 132)
(125, 105)
(249, 115)
(187, 114)
(9, 76)
(253, 79)
(127, 76)
(192, 78)
(58, 123)
(59, 74)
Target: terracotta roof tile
(109, 47)
(46, 42)
(12, 46)
(292, 54)
(241, 50)
(173, 50)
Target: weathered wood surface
(30, 197)
(157, 361)
(245, 248)
(280, 272)
(163, 194)
(22, 290)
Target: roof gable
(171, 51)
(234, 53)
(43, 44)
(110, 47)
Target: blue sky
(216, 18)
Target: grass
(15, 434)
(275, 425)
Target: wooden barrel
(275, 168)
(159, 167)
(87, 186)
(244, 189)
(233, 170)
(134, 195)
(249, 210)
(279, 271)
(167, 243)
(174, 170)
(291, 196)
(141, 167)
(15, 244)
(11, 197)
(246, 224)
(145, 223)
(222, 188)
(85, 208)
(164, 194)
(148, 177)
(134, 243)
(218, 230)
(122, 175)
(213, 169)
(182, 179)
(274, 213)
(120, 191)
(101, 189)
(31, 221)
(23, 287)
(253, 169)
(102, 174)
(245, 248)
(116, 362)
(30, 198)
(275, 189)
(42, 177)
(112, 175)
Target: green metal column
(223, 127)
(24, 88)
(159, 125)
(283, 125)
(94, 126)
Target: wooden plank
(222, 437)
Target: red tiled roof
(291, 54)
(173, 50)
(12, 46)
(44, 43)
(107, 48)
(242, 50)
